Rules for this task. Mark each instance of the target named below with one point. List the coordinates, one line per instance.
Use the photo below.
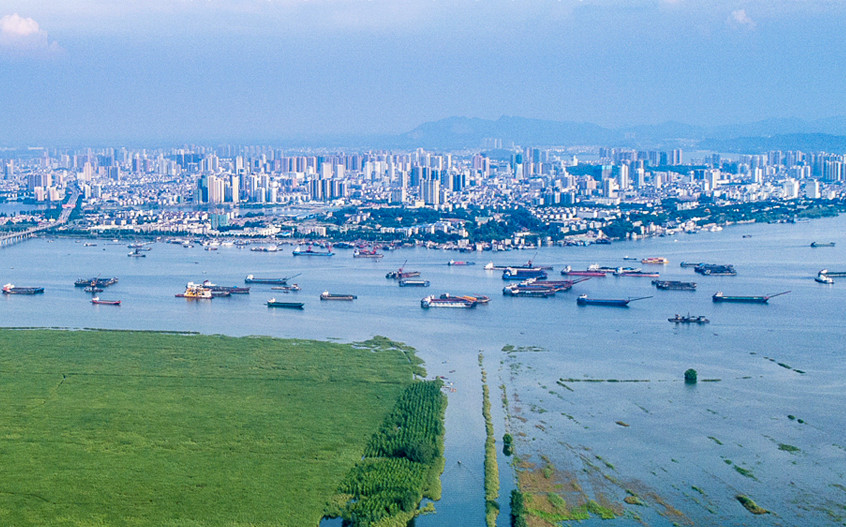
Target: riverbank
(483, 229)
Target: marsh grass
(151, 429)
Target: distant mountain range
(781, 134)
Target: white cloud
(19, 35)
(739, 19)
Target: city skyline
(243, 70)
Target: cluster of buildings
(212, 184)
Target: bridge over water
(16, 237)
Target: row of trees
(401, 464)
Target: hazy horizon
(238, 70)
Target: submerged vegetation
(518, 509)
(750, 505)
(549, 497)
(507, 444)
(151, 429)
(690, 376)
(402, 463)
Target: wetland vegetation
(491, 465)
(401, 465)
(150, 429)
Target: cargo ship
(521, 273)
(101, 302)
(93, 289)
(287, 288)
(96, 282)
(10, 289)
(290, 305)
(637, 273)
(583, 300)
(367, 253)
(480, 299)
(689, 319)
(140, 246)
(453, 302)
(593, 270)
(196, 292)
(250, 279)
(460, 262)
(824, 278)
(674, 285)
(690, 264)
(715, 269)
(310, 251)
(528, 265)
(822, 244)
(401, 273)
(413, 282)
(326, 295)
(231, 289)
(528, 290)
(265, 249)
(827, 277)
(720, 297)
(655, 260)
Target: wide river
(687, 451)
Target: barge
(720, 297)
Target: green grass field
(107, 428)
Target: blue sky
(205, 70)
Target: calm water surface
(679, 437)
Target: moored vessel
(413, 282)
(196, 292)
(311, 251)
(367, 253)
(290, 305)
(11, 289)
(584, 300)
(823, 277)
(96, 282)
(102, 302)
(720, 297)
(250, 279)
(479, 299)
(265, 249)
(326, 295)
(674, 285)
(452, 302)
(231, 289)
(401, 273)
(521, 273)
(715, 269)
(287, 288)
(490, 266)
(593, 270)
(637, 273)
(689, 319)
(528, 291)
(655, 260)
